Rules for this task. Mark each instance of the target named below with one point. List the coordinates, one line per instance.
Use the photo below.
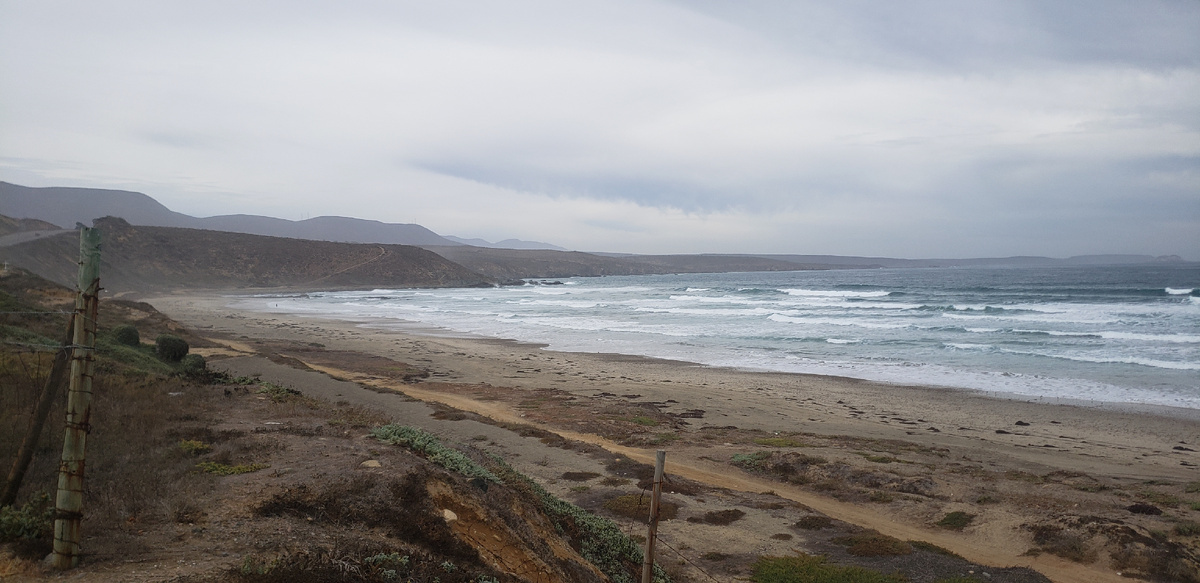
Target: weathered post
(25, 455)
(69, 503)
(655, 495)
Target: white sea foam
(842, 341)
(967, 346)
(835, 293)
(1180, 291)
(1172, 338)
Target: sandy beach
(907, 455)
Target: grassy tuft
(780, 442)
(813, 569)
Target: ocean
(1128, 334)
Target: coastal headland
(1075, 491)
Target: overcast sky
(906, 129)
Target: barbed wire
(676, 551)
(38, 313)
(54, 347)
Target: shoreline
(411, 327)
(1130, 436)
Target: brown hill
(156, 258)
(9, 225)
(511, 264)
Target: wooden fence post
(655, 495)
(69, 503)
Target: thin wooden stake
(69, 503)
(25, 455)
(660, 462)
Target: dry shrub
(579, 476)
(719, 517)
(814, 522)
(956, 520)
(1063, 543)
(627, 468)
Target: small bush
(127, 335)
(33, 520)
(750, 461)
(811, 569)
(170, 347)
(193, 365)
(1192, 487)
(957, 520)
(194, 447)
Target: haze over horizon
(917, 129)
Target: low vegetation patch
(928, 547)
(194, 447)
(30, 521)
(956, 520)
(1188, 528)
(719, 517)
(428, 446)
(779, 442)
(579, 476)
(813, 569)
(814, 522)
(873, 544)
(220, 469)
(600, 540)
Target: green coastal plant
(170, 347)
(813, 569)
(600, 540)
(32, 520)
(425, 444)
(127, 335)
(193, 365)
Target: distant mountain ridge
(506, 244)
(65, 206)
(505, 261)
(142, 258)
